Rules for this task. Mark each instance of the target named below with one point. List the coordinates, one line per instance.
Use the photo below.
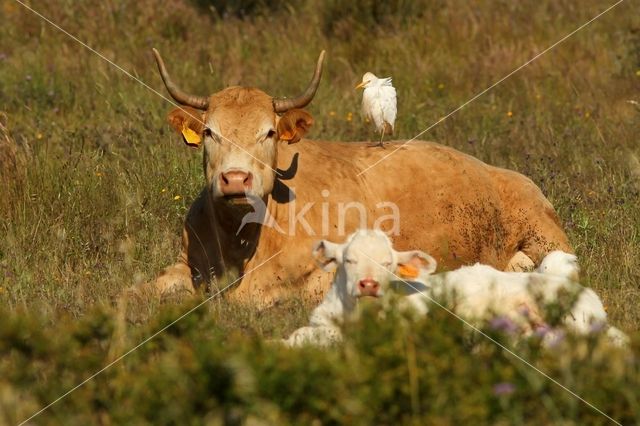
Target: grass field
(95, 186)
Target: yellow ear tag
(191, 137)
(408, 271)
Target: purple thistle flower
(503, 388)
(542, 330)
(554, 337)
(504, 324)
(597, 327)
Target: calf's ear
(327, 254)
(414, 262)
(293, 125)
(189, 122)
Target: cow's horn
(195, 101)
(284, 104)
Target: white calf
(364, 266)
(367, 265)
(480, 292)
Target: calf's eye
(271, 133)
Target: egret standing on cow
(379, 103)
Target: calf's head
(366, 262)
(240, 128)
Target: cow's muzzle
(368, 287)
(235, 183)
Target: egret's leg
(380, 144)
(382, 136)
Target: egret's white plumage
(379, 103)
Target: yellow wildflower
(332, 113)
(509, 114)
(177, 197)
(38, 135)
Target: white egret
(379, 103)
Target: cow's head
(240, 128)
(367, 262)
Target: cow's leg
(137, 302)
(270, 284)
(520, 262)
(173, 279)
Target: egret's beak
(361, 85)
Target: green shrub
(396, 371)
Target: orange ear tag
(287, 135)
(408, 271)
(191, 137)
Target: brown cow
(426, 195)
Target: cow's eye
(271, 133)
(350, 261)
(387, 265)
(207, 132)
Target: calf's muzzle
(368, 287)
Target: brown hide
(453, 206)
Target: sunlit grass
(98, 202)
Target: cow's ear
(413, 263)
(293, 125)
(327, 254)
(189, 122)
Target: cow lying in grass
(367, 265)
(269, 192)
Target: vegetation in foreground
(95, 188)
(206, 370)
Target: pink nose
(235, 182)
(368, 287)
